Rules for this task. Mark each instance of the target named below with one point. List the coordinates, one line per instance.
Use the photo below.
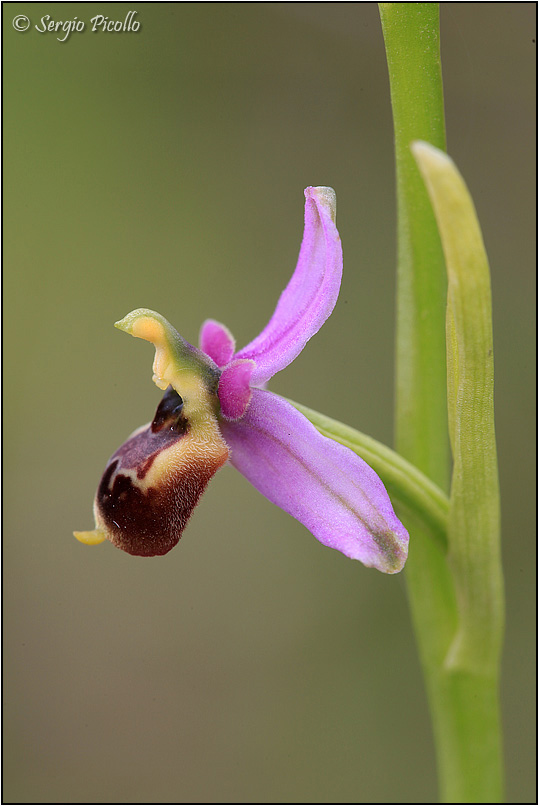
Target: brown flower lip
(152, 483)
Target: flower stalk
(456, 598)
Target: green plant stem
(462, 702)
(411, 33)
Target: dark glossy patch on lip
(169, 414)
(168, 426)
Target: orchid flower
(216, 408)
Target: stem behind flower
(462, 688)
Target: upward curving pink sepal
(309, 297)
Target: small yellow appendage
(91, 538)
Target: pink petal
(234, 388)
(309, 297)
(217, 341)
(326, 486)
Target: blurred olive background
(165, 169)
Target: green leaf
(474, 509)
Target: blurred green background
(165, 169)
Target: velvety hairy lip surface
(147, 522)
(144, 510)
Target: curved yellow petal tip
(91, 538)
